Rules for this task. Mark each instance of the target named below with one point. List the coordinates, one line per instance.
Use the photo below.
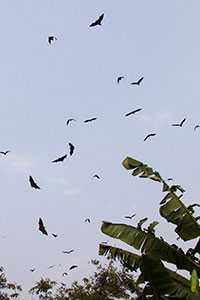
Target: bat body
(119, 78)
(42, 227)
(98, 21)
(90, 120)
(4, 152)
(33, 183)
(68, 252)
(71, 148)
(195, 128)
(149, 135)
(137, 82)
(60, 159)
(180, 124)
(32, 270)
(133, 112)
(51, 38)
(69, 121)
(73, 267)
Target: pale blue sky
(42, 86)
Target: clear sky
(43, 85)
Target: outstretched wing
(42, 227)
(59, 159)
(33, 183)
(140, 80)
(149, 135)
(90, 120)
(133, 112)
(100, 19)
(71, 148)
(181, 124)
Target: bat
(69, 121)
(52, 266)
(73, 267)
(54, 235)
(96, 176)
(87, 220)
(42, 227)
(98, 21)
(133, 112)
(137, 82)
(71, 148)
(180, 124)
(32, 270)
(33, 183)
(59, 159)
(169, 179)
(119, 78)
(4, 152)
(90, 120)
(195, 128)
(51, 38)
(130, 217)
(64, 274)
(149, 135)
(68, 252)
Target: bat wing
(100, 18)
(175, 125)
(181, 124)
(73, 267)
(133, 112)
(140, 80)
(59, 159)
(148, 136)
(33, 183)
(90, 120)
(94, 24)
(42, 227)
(127, 217)
(71, 148)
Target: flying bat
(133, 112)
(71, 148)
(54, 235)
(73, 267)
(130, 217)
(68, 252)
(51, 38)
(4, 152)
(195, 128)
(64, 274)
(98, 21)
(87, 220)
(90, 120)
(32, 270)
(149, 135)
(42, 227)
(96, 176)
(119, 78)
(180, 124)
(33, 183)
(59, 159)
(52, 266)
(170, 179)
(137, 82)
(69, 121)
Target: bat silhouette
(51, 38)
(4, 152)
(90, 120)
(149, 135)
(59, 159)
(137, 82)
(133, 112)
(73, 267)
(68, 252)
(119, 78)
(32, 270)
(96, 176)
(54, 235)
(98, 21)
(52, 266)
(130, 217)
(42, 227)
(33, 183)
(180, 124)
(64, 274)
(195, 128)
(71, 148)
(169, 179)
(69, 121)
(87, 220)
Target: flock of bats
(32, 182)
